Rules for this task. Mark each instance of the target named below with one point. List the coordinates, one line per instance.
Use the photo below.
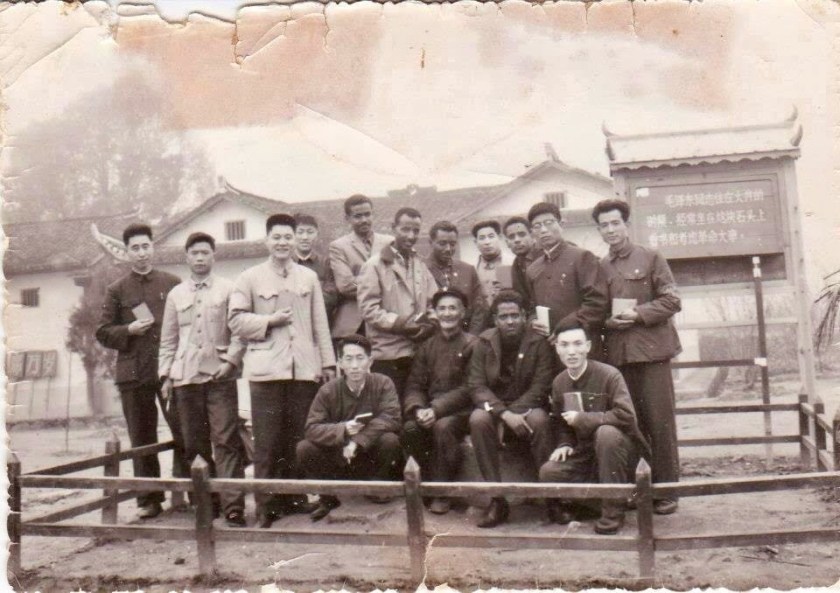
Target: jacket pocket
(126, 369)
(635, 285)
(185, 313)
(260, 357)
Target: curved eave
(705, 160)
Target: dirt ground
(65, 564)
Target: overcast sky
(298, 104)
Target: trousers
(209, 420)
(140, 408)
(278, 410)
(437, 449)
(485, 439)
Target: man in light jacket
(395, 295)
(277, 307)
(198, 366)
(347, 254)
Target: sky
(301, 103)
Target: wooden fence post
(13, 520)
(819, 432)
(203, 516)
(112, 469)
(804, 432)
(644, 509)
(835, 430)
(416, 528)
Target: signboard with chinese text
(15, 365)
(709, 219)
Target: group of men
(560, 355)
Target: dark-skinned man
(510, 375)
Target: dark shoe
(496, 514)
(609, 524)
(266, 518)
(301, 507)
(236, 518)
(665, 506)
(379, 499)
(323, 508)
(440, 506)
(559, 512)
(149, 511)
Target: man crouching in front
(351, 430)
(598, 440)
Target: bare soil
(65, 564)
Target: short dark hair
(450, 292)
(507, 295)
(280, 220)
(135, 230)
(442, 226)
(354, 340)
(484, 224)
(544, 208)
(569, 325)
(356, 200)
(306, 219)
(516, 220)
(407, 211)
(200, 238)
(610, 205)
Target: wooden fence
(813, 439)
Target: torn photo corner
(717, 122)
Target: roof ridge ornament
(113, 247)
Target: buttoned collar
(147, 277)
(283, 271)
(310, 257)
(582, 373)
(622, 250)
(196, 285)
(350, 390)
(489, 264)
(555, 250)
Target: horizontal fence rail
(816, 433)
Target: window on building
(558, 198)
(29, 297)
(235, 230)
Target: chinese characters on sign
(712, 219)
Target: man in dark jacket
(641, 338)
(517, 231)
(597, 437)
(565, 278)
(306, 237)
(132, 314)
(450, 272)
(351, 430)
(437, 403)
(510, 374)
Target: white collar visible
(582, 371)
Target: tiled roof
(704, 146)
(57, 245)
(174, 254)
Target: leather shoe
(266, 518)
(496, 514)
(235, 518)
(559, 512)
(323, 508)
(149, 511)
(440, 506)
(609, 524)
(664, 506)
